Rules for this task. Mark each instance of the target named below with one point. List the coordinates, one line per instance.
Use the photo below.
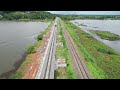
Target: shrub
(106, 50)
(1, 16)
(30, 49)
(40, 37)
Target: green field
(106, 35)
(102, 61)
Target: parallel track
(46, 71)
(80, 67)
(51, 56)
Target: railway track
(80, 68)
(46, 71)
(49, 69)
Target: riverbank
(7, 75)
(29, 67)
(106, 35)
(102, 61)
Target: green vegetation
(61, 73)
(32, 20)
(102, 61)
(106, 35)
(1, 17)
(40, 37)
(31, 49)
(98, 17)
(63, 53)
(26, 15)
(106, 51)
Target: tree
(1, 16)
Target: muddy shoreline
(9, 74)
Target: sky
(87, 12)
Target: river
(104, 25)
(15, 37)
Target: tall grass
(30, 49)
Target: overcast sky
(87, 12)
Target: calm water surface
(15, 37)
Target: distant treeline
(42, 15)
(99, 17)
(15, 15)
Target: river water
(15, 37)
(104, 25)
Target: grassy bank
(106, 35)
(102, 61)
(30, 50)
(63, 53)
